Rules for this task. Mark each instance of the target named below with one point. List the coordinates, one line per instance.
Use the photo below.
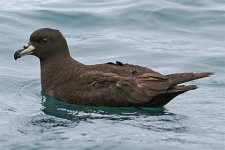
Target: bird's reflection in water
(154, 119)
(64, 110)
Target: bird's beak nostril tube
(28, 49)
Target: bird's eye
(44, 40)
(25, 46)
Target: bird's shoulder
(122, 69)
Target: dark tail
(164, 98)
(174, 89)
(179, 78)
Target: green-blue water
(165, 35)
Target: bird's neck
(57, 70)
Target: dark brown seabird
(109, 84)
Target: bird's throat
(56, 71)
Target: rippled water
(165, 35)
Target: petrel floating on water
(110, 84)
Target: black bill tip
(17, 54)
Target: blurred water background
(165, 35)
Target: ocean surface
(166, 35)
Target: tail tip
(210, 73)
(204, 74)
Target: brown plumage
(110, 84)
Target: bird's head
(44, 43)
